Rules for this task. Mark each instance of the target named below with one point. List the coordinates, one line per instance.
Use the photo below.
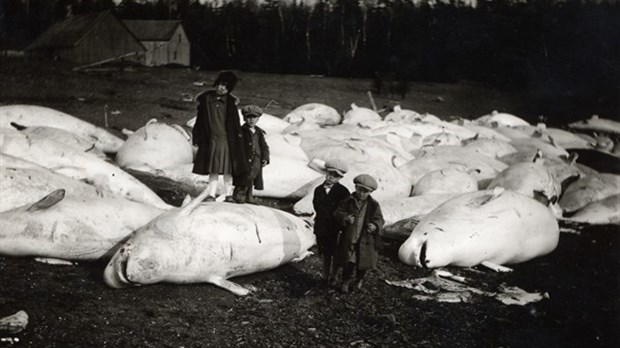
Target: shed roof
(152, 30)
(68, 32)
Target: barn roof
(68, 32)
(152, 30)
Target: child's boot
(250, 197)
(359, 282)
(327, 269)
(239, 194)
(334, 276)
(344, 288)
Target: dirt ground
(70, 306)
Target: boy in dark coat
(326, 198)
(362, 219)
(217, 133)
(257, 154)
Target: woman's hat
(338, 166)
(227, 78)
(366, 181)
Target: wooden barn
(165, 41)
(87, 38)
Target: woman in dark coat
(217, 133)
(362, 219)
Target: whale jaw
(411, 252)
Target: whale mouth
(423, 255)
(117, 275)
(122, 272)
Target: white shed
(165, 41)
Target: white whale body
(588, 189)
(33, 115)
(286, 177)
(496, 226)
(597, 124)
(23, 182)
(76, 164)
(285, 145)
(604, 211)
(155, 145)
(531, 179)
(329, 143)
(562, 168)
(209, 243)
(501, 119)
(71, 228)
(445, 181)
(398, 115)
(359, 114)
(481, 167)
(492, 148)
(315, 113)
(483, 132)
(396, 209)
(80, 143)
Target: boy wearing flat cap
(326, 198)
(360, 216)
(257, 154)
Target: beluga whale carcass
(209, 242)
(71, 227)
(489, 227)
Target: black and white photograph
(309, 173)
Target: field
(70, 306)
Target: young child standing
(361, 217)
(326, 198)
(257, 154)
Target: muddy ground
(70, 306)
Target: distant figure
(362, 219)
(377, 83)
(257, 154)
(326, 228)
(391, 84)
(217, 133)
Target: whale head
(146, 257)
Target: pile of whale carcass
(487, 191)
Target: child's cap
(251, 111)
(366, 181)
(338, 166)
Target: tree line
(505, 43)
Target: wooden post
(105, 115)
(372, 101)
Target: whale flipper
(495, 267)
(231, 286)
